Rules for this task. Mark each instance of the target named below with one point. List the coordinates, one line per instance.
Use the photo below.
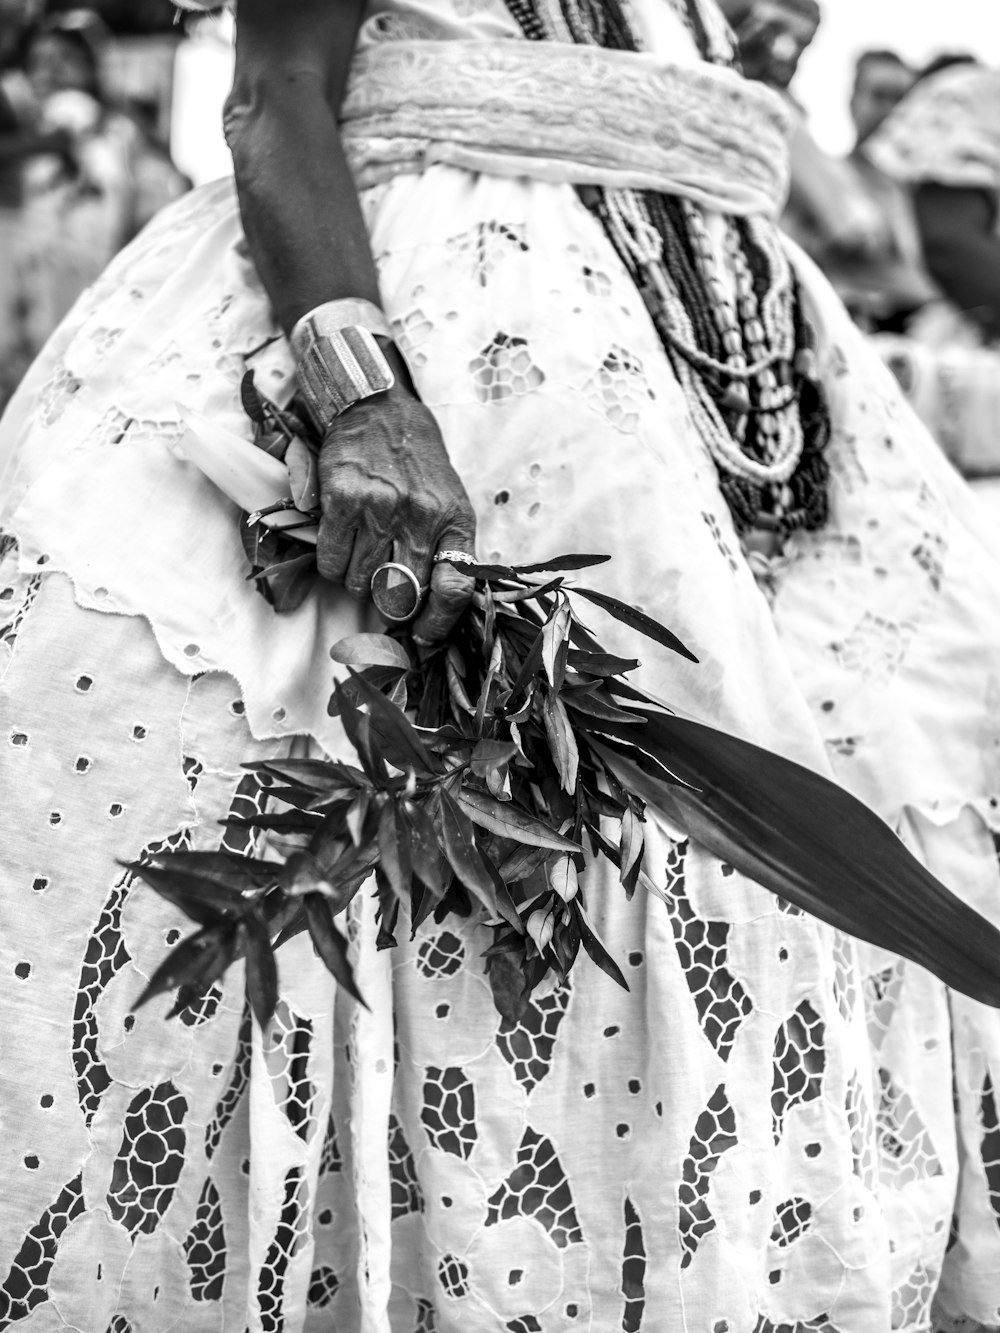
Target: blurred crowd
(84, 159)
(904, 225)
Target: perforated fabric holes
(505, 369)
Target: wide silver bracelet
(338, 361)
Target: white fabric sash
(577, 114)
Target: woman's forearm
(297, 197)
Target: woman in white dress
(775, 1130)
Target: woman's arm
(298, 202)
(961, 249)
(388, 489)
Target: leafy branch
(489, 774)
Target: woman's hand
(388, 492)
(387, 489)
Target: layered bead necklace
(745, 361)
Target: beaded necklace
(747, 365)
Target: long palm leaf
(807, 839)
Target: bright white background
(917, 29)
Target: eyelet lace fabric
(773, 1131)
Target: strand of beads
(743, 356)
(526, 16)
(639, 239)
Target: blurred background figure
(18, 141)
(887, 286)
(85, 112)
(942, 142)
(906, 225)
(882, 79)
(829, 211)
(78, 202)
(772, 36)
(83, 203)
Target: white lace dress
(763, 1135)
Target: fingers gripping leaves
(378, 489)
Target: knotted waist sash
(576, 114)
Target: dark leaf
(284, 419)
(197, 962)
(262, 971)
(504, 941)
(478, 571)
(389, 681)
(425, 851)
(394, 849)
(459, 841)
(561, 563)
(456, 688)
(805, 838)
(290, 582)
(239, 872)
(201, 897)
(596, 706)
(522, 862)
(400, 741)
(601, 664)
(358, 728)
(489, 755)
(330, 945)
(511, 994)
(302, 874)
(602, 846)
(528, 669)
(251, 400)
(505, 903)
(353, 866)
(529, 593)
(508, 821)
(626, 691)
(388, 913)
(566, 943)
(595, 948)
(637, 620)
(317, 774)
(498, 783)
(295, 925)
(600, 803)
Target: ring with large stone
(397, 592)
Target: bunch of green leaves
(488, 774)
